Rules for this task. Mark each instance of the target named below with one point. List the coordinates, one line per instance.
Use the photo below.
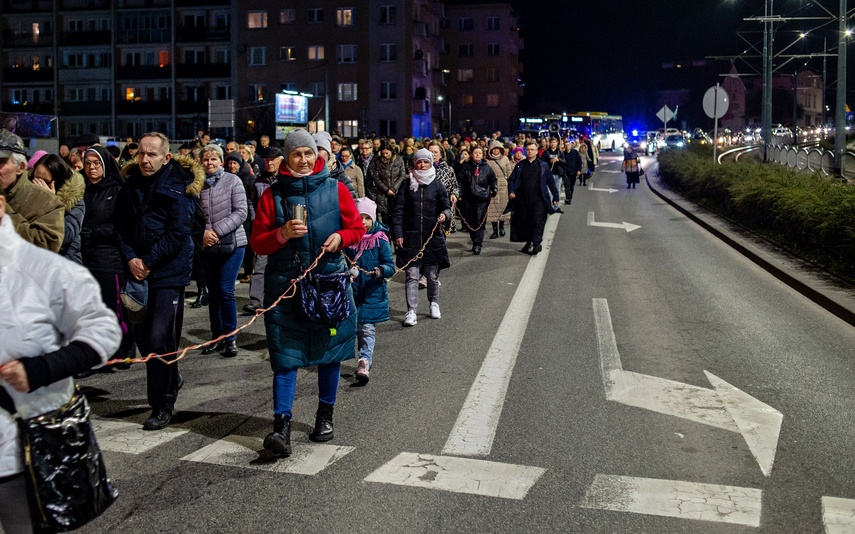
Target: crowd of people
(329, 214)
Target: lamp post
(768, 38)
(442, 99)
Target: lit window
(256, 20)
(287, 16)
(347, 92)
(465, 75)
(287, 53)
(316, 53)
(344, 16)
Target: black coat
(100, 241)
(476, 191)
(572, 163)
(414, 216)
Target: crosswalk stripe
(245, 451)
(460, 475)
(838, 515)
(130, 438)
(675, 498)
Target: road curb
(804, 278)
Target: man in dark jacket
(534, 196)
(155, 227)
(272, 159)
(572, 170)
(555, 159)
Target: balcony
(203, 70)
(26, 41)
(23, 6)
(146, 72)
(202, 3)
(43, 109)
(85, 108)
(86, 38)
(21, 75)
(201, 34)
(83, 5)
(188, 107)
(157, 107)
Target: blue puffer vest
(292, 340)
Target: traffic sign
(665, 114)
(716, 102)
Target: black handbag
(324, 298)
(67, 483)
(224, 247)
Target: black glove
(377, 272)
(493, 192)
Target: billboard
(292, 109)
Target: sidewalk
(833, 294)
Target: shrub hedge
(808, 214)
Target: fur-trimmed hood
(72, 191)
(193, 188)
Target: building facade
(392, 67)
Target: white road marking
(629, 227)
(725, 407)
(609, 190)
(475, 428)
(243, 451)
(675, 498)
(130, 438)
(838, 515)
(459, 475)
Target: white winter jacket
(46, 302)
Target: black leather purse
(67, 483)
(224, 247)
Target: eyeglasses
(93, 164)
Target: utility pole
(768, 40)
(840, 109)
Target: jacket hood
(72, 191)
(495, 144)
(378, 227)
(193, 187)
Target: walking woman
(223, 246)
(421, 202)
(502, 168)
(386, 172)
(102, 254)
(446, 175)
(631, 167)
(477, 187)
(586, 164)
(292, 241)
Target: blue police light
(634, 133)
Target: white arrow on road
(629, 227)
(724, 407)
(609, 190)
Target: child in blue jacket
(372, 263)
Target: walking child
(372, 262)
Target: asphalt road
(660, 382)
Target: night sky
(606, 55)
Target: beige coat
(502, 167)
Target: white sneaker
(434, 310)
(410, 319)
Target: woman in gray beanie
(303, 216)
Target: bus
(604, 130)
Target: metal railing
(811, 158)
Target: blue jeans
(285, 386)
(366, 334)
(220, 275)
(557, 178)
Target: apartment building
(391, 67)
(481, 56)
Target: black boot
(279, 441)
(323, 423)
(231, 349)
(501, 228)
(201, 298)
(216, 347)
(495, 233)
